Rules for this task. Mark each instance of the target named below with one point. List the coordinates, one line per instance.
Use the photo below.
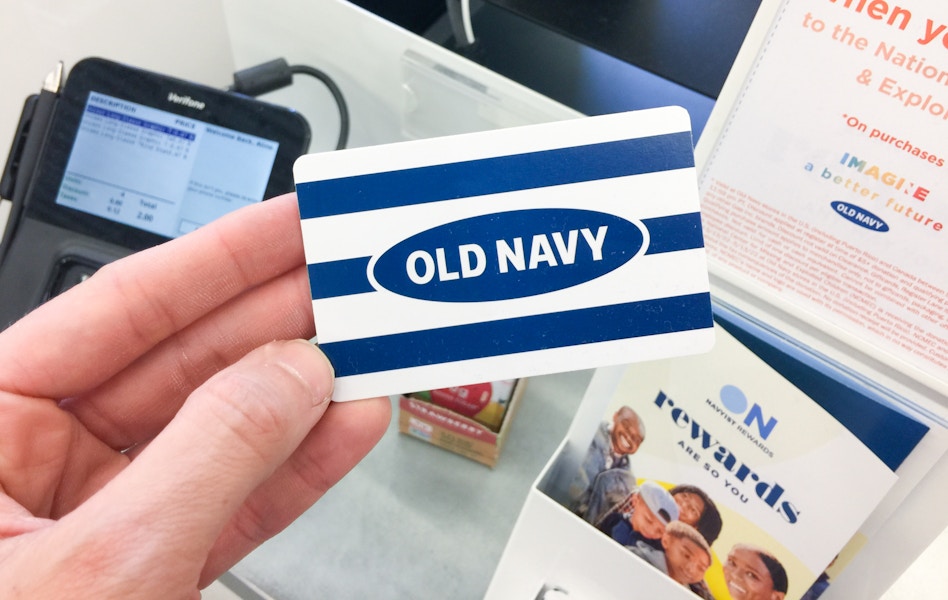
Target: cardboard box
(441, 426)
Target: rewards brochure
(722, 450)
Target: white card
(505, 254)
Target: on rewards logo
(735, 401)
(508, 255)
(859, 216)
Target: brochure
(721, 473)
(907, 439)
(822, 175)
(886, 423)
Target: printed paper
(774, 472)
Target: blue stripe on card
(350, 276)
(674, 233)
(339, 278)
(522, 334)
(495, 175)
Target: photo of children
(721, 496)
(606, 476)
(687, 557)
(753, 573)
(669, 528)
(673, 530)
(641, 517)
(673, 526)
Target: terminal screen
(158, 171)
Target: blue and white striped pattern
(356, 204)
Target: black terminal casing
(52, 246)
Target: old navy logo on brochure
(507, 255)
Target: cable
(466, 20)
(459, 16)
(277, 74)
(336, 94)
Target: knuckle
(245, 403)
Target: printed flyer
(908, 441)
(823, 175)
(726, 477)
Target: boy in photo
(606, 476)
(685, 557)
(642, 517)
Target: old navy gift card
(506, 254)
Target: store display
(727, 442)
(823, 175)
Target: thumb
(174, 498)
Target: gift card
(506, 254)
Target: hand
(152, 433)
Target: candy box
(470, 420)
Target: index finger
(129, 306)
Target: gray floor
(416, 521)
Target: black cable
(336, 94)
(277, 74)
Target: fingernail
(318, 375)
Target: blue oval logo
(859, 216)
(508, 255)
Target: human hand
(152, 433)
